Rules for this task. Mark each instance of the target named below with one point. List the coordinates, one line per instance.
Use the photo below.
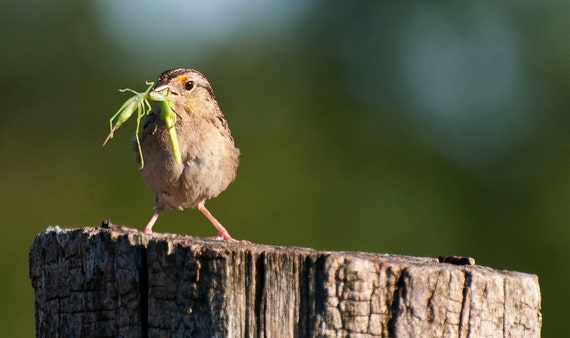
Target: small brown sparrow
(209, 157)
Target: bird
(209, 157)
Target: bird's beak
(167, 88)
(162, 88)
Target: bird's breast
(209, 163)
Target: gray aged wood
(97, 282)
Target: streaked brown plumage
(209, 157)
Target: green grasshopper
(168, 115)
(139, 102)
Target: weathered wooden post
(98, 282)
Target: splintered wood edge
(140, 238)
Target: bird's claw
(225, 236)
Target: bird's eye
(188, 85)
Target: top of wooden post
(95, 281)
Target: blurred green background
(413, 128)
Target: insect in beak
(140, 103)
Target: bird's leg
(148, 228)
(223, 234)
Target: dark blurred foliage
(409, 128)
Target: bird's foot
(148, 228)
(225, 236)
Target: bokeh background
(414, 128)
